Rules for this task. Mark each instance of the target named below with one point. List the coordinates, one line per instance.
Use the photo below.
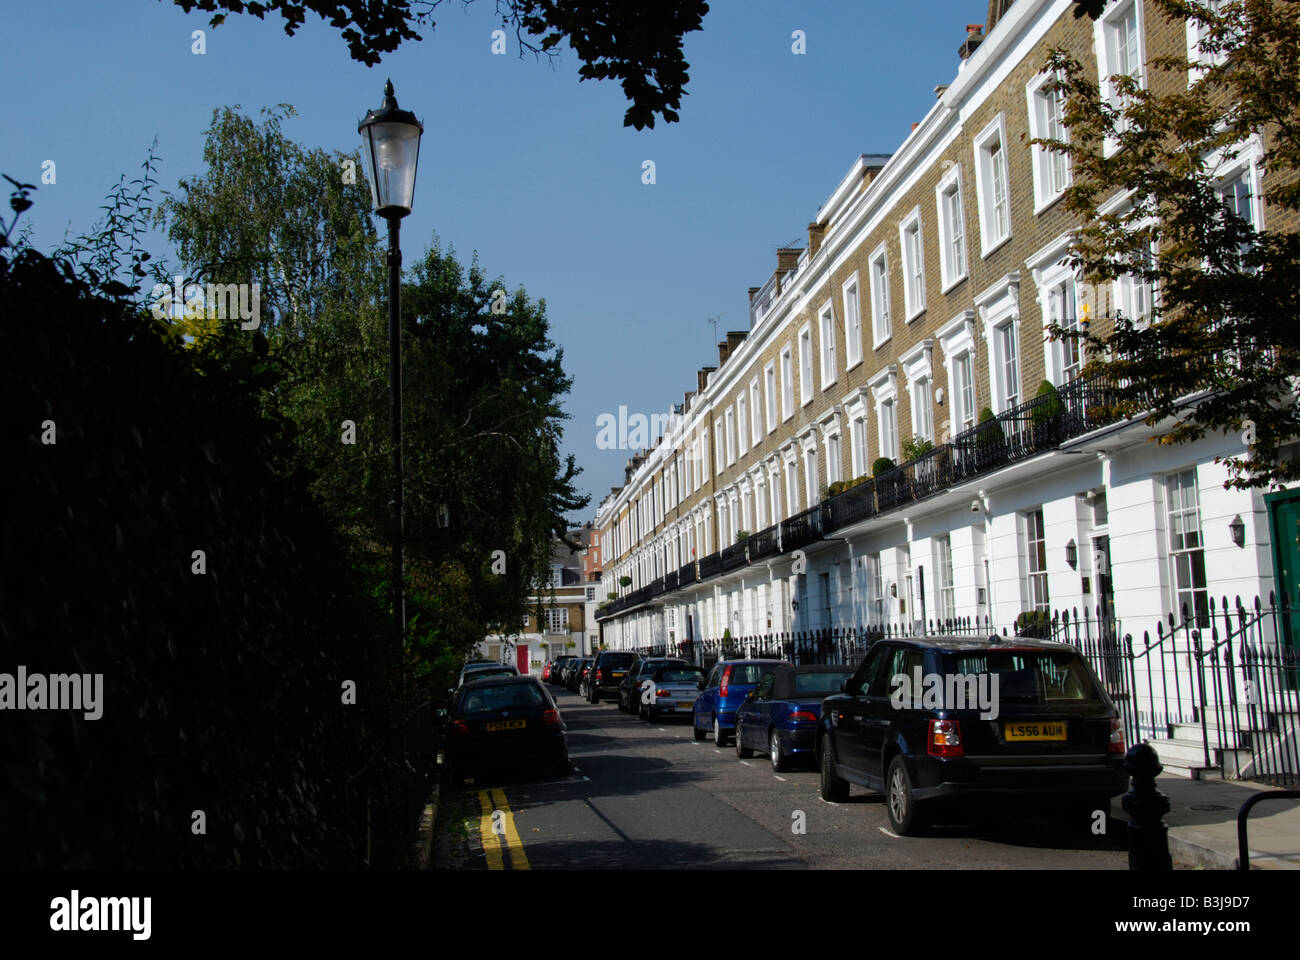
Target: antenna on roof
(714, 320)
(792, 244)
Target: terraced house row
(920, 302)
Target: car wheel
(776, 754)
(696, 732)
(833, 788)
(742, 751)
(905, 815)
(719, 738)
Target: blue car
(780, 716)
(726, 688)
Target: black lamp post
(391, 138)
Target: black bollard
(1148, 836)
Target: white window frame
(851, 295)
(911, 244)
(810, 478)
(990, 174)
(769, 382)
(730, 414)
(884, 395)
(957, 339)
(1174, 551)
(755, 415)
(953, 253)
(826, 341)
(1033, 522)
(1006, 394)
(742, 423)
(805, 365)
(787, 382)
(1200, 61)
(1105, 32)
(1051, 169)
(719, 448)
(881, 321)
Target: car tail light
(945, 739)
(551, 718)
(663, 692)
(802, 715)
(726, 681)
(1116, 744)
(600, 675)
(460, 728)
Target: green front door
(1284, 524)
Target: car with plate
(485, 668)
(1041, 734)
(726, 688)
(607, 672)
(780, 715)
(632, 692)
(504, 722)
(577, 674)
(673, 689)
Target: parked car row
(939, 725)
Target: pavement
(1202, 823)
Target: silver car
(672, 691)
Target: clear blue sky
(519, 161)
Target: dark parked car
(485, 668)
(607, 672)
(673, 689)
(780, 716)
(577, 674)
(725, 690)
(504, 721)
(629, 691)
(1042, 731)
(557, 670)
(567, 670)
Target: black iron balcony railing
(655, 587)
(710, 566)
(765, 543)
(733, 556)
(670, 581)
(801, 529)
(686, 574)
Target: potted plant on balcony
(1048, 408)
(881, 465)
(1034, 623)
(625, 581)
(989, 433)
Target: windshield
(489, 699)
(679, 675)
(1033, 676)
(819, 684)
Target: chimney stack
(702, 377)
(974, 37)
(816, 231)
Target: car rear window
(617, 659)
(816, 684)
(494, 672)
(1032, 676)
(491, 698)
(679, 675)
(751, 672)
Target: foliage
(916, 447)
(1034, 623)
(742, 536)
(839, 486)
(625, 581)
(1222, 324)
(222, 690)
(638, 44)
(989, 430)
(1050, 408)
(881, 465)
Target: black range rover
(936, 721)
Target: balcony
(765, 543)
(733, 557)
(686, 574)
(710, 566)
(801, 529)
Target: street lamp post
(391, 138)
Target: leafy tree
(637, 44)
(1219, 353)
(482, 383)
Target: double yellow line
(491, 802)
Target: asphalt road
(648, 796)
